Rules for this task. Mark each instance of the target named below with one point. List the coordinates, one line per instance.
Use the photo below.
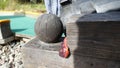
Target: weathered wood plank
(95, 35)
(34, 57)
(36, 43)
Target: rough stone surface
(10, 54)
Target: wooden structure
(6, 35)
(94, 42)
(95, 35)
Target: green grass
(31, 7)
(3, 4)
(9, 5)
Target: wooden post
(94, 42)
(6, 35)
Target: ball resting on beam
(48, 28)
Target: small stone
(17, 65)
(25, 40)
(12, 65)
(11, 59)
(1, 62)
(1, 52)
(1, 47)
(6, 65)
(11, 54)
(20, 62)
(21, 66)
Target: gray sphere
(48, 28)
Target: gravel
(11, 54)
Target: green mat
(21, 24)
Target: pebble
(10, 54)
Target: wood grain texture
(95, 35)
